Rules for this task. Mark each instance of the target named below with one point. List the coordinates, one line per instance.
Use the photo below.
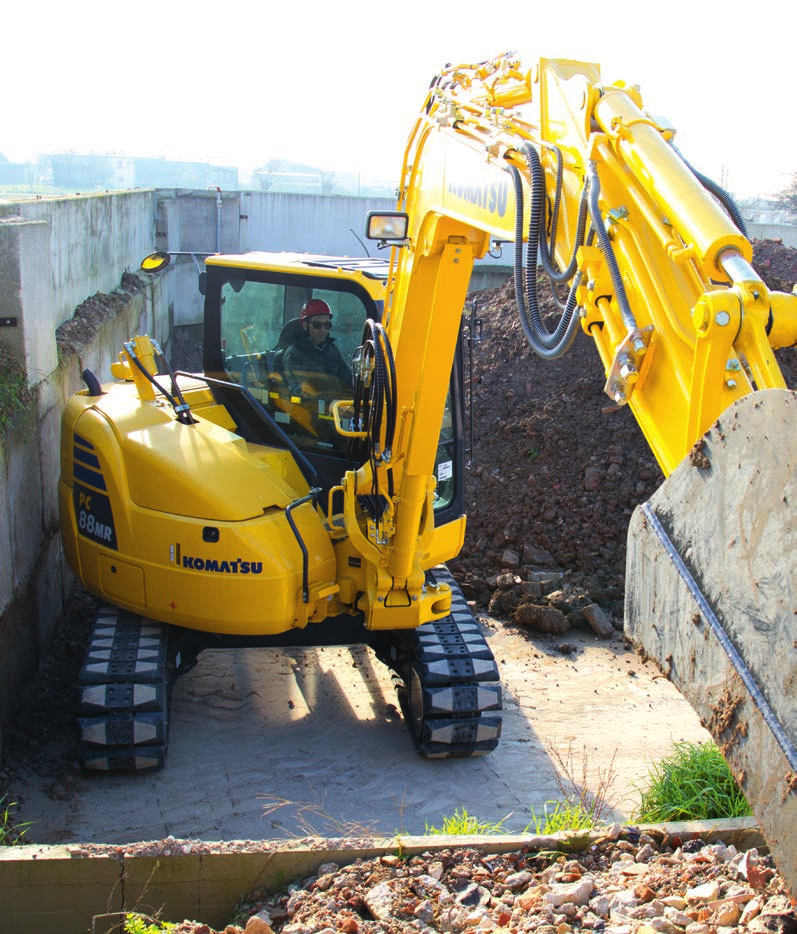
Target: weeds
(693, 783)
(142, 924)
(461, 823)
(11, 832)
(575, 787)
(579, 808)
(15, 396)
(313, 821)
(563, 815)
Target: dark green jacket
(321, 366)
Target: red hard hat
(314, 307)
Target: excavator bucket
(711, 597)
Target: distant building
(15, 173)
(282, 177)
(765, 211)
(88, 172)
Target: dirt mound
(73, 335)
(776, 264)
(557, 469)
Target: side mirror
(155, 261)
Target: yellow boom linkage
(663, 284)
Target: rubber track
(459, 683)
(123, 716)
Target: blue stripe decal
(90, 477)
(91, 460)
(83, 442)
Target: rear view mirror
(155, 261)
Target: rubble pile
(627, 883)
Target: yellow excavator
(243, 507)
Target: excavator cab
(252, 317)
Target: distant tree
(267, 172)
(787, 199)
(328, 182)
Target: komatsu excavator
(236, 507)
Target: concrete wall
(54, 255)
(785, 232)
(243, 221)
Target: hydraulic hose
(548, 238)
(176, 400)
(375, 399)
(723, 197)
(607, 249)
(549, 345)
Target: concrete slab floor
(271, 743)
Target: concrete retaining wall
(54, 255)
(242, 221)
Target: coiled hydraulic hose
(548, 238)
(375, 391)
(543, 342)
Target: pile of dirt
(73, 335)
(557, 469)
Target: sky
(338, 83)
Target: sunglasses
(318, 325)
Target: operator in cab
(312, 363)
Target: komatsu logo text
(491, 197)
(214, 566)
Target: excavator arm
(581, 179)
(657, 268)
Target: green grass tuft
(693, 783)
(11, 832)
(460, 823)
(559, 816)
(141, 924)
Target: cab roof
(372, 267)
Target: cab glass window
(266, 348)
